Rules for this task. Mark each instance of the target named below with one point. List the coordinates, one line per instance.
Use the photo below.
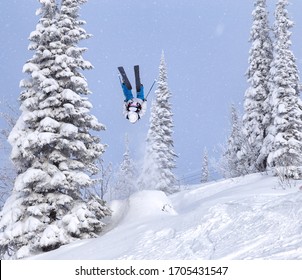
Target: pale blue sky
(206, 48)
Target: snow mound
(149, 203)
(243, 218)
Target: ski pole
(150, 89)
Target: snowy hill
(243, 218)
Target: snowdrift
(244, 218)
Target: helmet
(133, 117)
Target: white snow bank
(244, 218)
(149, 204)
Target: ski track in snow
(245, 218)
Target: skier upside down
(134, 107)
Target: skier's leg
(127, 93)
(140, 93)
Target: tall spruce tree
(52, 147)
(257, 109)
(159, 160)
(284, 142)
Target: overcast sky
(206, 49)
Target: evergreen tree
(256, 104)
(159, 160)
(126, 177)
(52, 147)
(284, 142)
(232, 164)
(205, 167)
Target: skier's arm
(144, 108)
(125, 110)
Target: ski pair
(126, 80)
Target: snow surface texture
(244, 218)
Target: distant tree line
(269, 135)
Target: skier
(134, 107)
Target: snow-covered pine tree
(284, 142)
(52, 147)
(159, 159)
(257, 109)
(232, 164)
(205, 167)
(126, 177)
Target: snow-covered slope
(243, 218)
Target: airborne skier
(134, 107)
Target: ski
(124, 77)
(137, 78)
